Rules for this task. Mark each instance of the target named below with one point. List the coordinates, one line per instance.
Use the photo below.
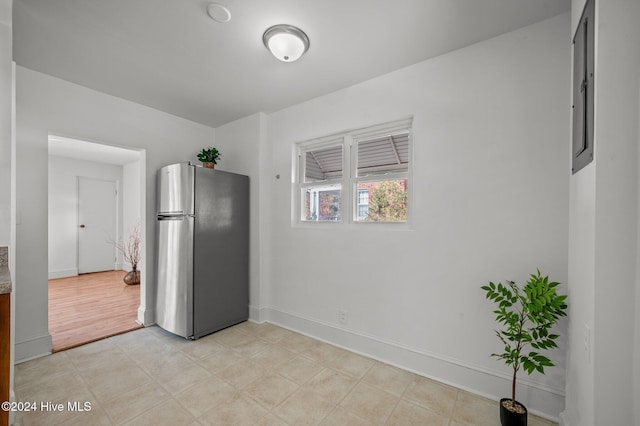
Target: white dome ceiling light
(219, 13)
(286, 42)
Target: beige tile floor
(250, 374)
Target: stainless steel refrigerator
(202, 232)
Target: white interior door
(96, 225)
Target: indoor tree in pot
(527, 316)
(209, 157)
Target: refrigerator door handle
(176, 216)
(160, 218)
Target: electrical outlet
(343, 316)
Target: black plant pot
(510, 418)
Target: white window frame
(302, 185)
(349, 180)
(359, 204)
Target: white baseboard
(540, 400)
(32, 348)
(63, 273)
(257, 315)
(146, 316)
(562, 421)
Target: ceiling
(171, 56)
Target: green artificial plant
(209, 155)
(527, 316)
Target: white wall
(49, 105)
(616, 153)
(6, 157)
(131, 212)
(490, 202)
(63, 209)
(241, 144)
(6, 85)
(636, 358)
(581, 290)
(602, 383)
(580, 374)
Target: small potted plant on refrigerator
(527, 316)
(209, 157)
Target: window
(356, 177)
(322, 203)
(322, 183)
(382, 163)
(363, 204)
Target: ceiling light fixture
(286, 42)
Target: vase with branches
(130, 250)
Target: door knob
(81, 226)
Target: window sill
(354, 226)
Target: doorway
(97, 229)
(95, 200)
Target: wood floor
(90, 307)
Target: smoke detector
(218, 13)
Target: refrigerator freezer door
(175, 189)
(174, 301)
(221, 254)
